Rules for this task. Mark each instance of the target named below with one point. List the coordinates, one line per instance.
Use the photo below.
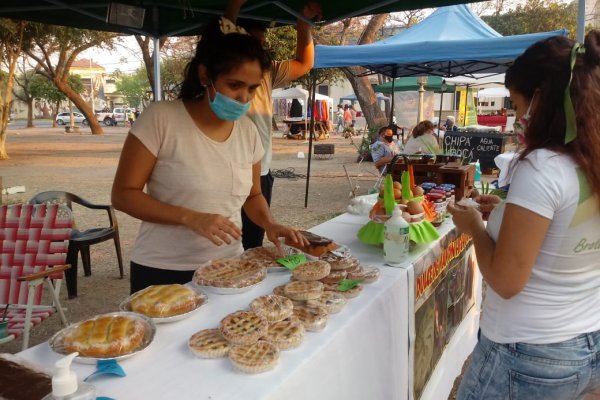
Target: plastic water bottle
(477, 171)
(396, 239)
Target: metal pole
(156, 56)
(420, 105)
(440, 115)
(311, 101)
(92, 88)
(581, 21)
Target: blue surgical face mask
(227, 108)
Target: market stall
(367, 351)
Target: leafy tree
(55, 48)
(146, 44)
(41, 87)
(12, 34)
(21, 90)
(536, 16)
(133, 87)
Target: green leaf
(293, 261)
(347, 284)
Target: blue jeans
(561, 371)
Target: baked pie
(209, 343)
(105, 336)
(286, 335)
(333, 302)
(335, 276)
(311, 271)
(230, 273)
(365, 274)
(341, 263)
(314, 319)
(254, 358)
(303, 290)
(274, 308)
(243, 327)
(160, 301)
(267, 256)
(279, 290)
(349, 294)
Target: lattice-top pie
(272, 307)
(230, 273)
(333, 302)
(365, 274)
(105, 336)
(243, 327)
(335, 276)
(209, 343)
(303, 290)
(341, 263)
(313, 318)
(349, 294)
(254, 358)
(266, 255)
(165, 300)
(312, 271)
(286, 335)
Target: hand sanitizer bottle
(65, 385)
(477, 171)
(396, 239)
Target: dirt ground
(48, 159)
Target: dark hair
(252, 25)
(220, 54)
(545, 67)
(383, 129)
(421, 128)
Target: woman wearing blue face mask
(199, 159)
(540, 252)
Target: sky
(128, 50)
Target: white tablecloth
(361, 354)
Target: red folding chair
(34, 240)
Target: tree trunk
(29, 112)
(55, 113)
(366, 97)
(82, 105)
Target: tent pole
(581, 21)
(311, 101)
(393, 88)
(440, 114)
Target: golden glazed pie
(161, 301)
(311, 271)
(333, 302)
(314, 319)
(272, 307)
(286, 335)
(243, 327)
(209, 343)
(303, 290)
(105, 336)
(230, 273)
(255, 358)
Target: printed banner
(471, 108)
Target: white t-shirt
(561, 300)
(195, 172)
(425, 144)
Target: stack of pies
(209, 343)
(349, 294)
(303, 290)
(273, 307)
(335, 276)
(365, 274)
(332, 302)
(230, 273)
(160, 301)
(267, 256)
(338, 263)
(105, 336)
(313, 318)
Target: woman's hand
(214, 227)
(487, 202)
(275, 231)
(466, 219)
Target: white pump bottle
(65, 385)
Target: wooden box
(462, 176)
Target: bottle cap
(64, 382)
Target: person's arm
(257, 209)
(134, 170)
(505, 265)
(305, 48)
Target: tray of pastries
(268, 256)
(165, 303)
(229, 276)
(117, 335)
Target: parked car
(65, 118)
